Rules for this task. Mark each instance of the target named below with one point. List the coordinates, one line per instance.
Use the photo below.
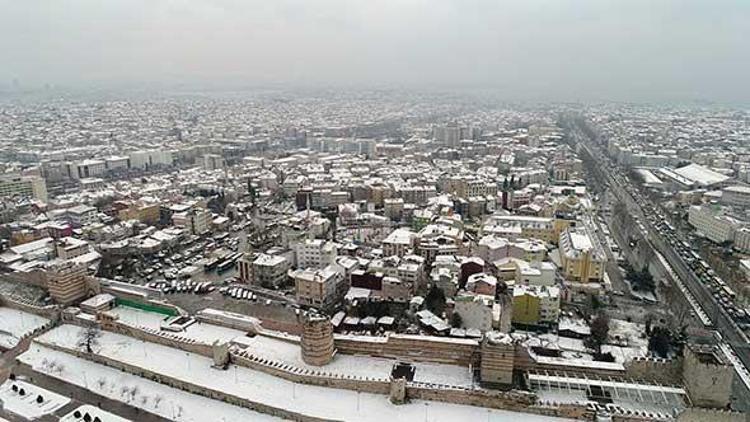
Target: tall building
(534, 305)
(66, 282)
(23, 186)
(315, 253)
(213, 162)
(581, 257)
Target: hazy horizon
(537, 49)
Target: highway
(662, 237)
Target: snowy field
(621, 332)
(26, 405)
(357, 365)
(316, 401)
(271, 348)
(167, 402)
(15, 324)
(205, 333)
(94, 412)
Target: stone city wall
(411, 348)
(655, 370)
(51, 312)
(188, 387)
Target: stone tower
(498, 359)
(707, 376)
(317, 339)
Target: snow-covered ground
(94, 412)
(327, 403)
(626, 333)
(366, 366)
(279, 350)
(15, 324)
(26, 405)
(205, 333)
(167, 402)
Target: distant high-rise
(23, 186)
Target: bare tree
(157, 400)
(89, 338)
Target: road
(731, 339)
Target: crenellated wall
(424, 349)
(661, 371)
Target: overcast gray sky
(555, 49)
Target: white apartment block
(737, 196)
(714, 225)
(398, 242)
(315, 253)
(25, 186)
(476, 311)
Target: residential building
(535, 305)
(482, 284)
(475, 310)
(66, 282)
(738, 196)
(713, 223)
(70, 247)
(581, 256)
(81, 215)
(315, 253)
(317, 287)
(269, 271)
(397, 290)
(398, 243)
(13, 185)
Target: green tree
(435, 300)
(659, 342)
(456, 320)
(599, 333)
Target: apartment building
(397, 290)
(198, 221)
(317, 287)
(398, 243)
(581, 256)
(315, 253)
(66, 282)
(713, 223)
(70, 247)
(737, 196)
(266, 271)
(476, 311)
(535, 305)
(12, 185)
(81, 215)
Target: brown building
(66, 282)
